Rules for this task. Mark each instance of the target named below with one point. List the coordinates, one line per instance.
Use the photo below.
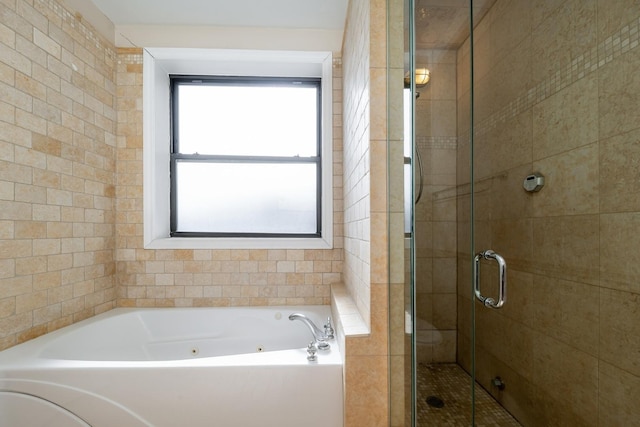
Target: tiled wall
(71, 191)
(435, 212)
(557, 91)
(57, 139)
(357, 177)
(152, 278)
(366, 271)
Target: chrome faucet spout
(319, 335)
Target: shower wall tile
(445, 348)
(505, 339)
(444, 275)
(424, 236)
(508, 200)
(569, 379)
(541, 10)
(619, 254)
(425, 273)
(571, 183)
(510, 76)
(444, 205)
(423, 211)
(483, 58)
(619, 93)
(614, 15)
(435, 214)
(435, 117)
(568, 247)
(620, 329)
(441, 163)
(444, 239)
(444, 318)
(546, 410)
(568, 311)
(618, 167)
(513, 237)
(510, 24)
(522, 296)
(519, 392)
(616, 408)
(505, 147)
(564, 33)
(566, 120)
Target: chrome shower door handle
(502, 277)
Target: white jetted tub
(174, 367)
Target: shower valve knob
(533, 182)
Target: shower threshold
(444, 399)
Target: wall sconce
(422, 77)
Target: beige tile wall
(357, 153)
(71, 191)
(367, 220)
(152, 278)
(558, 94)
(399, 293)
(435, 213)
(57, 170)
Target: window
(245, 159)
(303, 213)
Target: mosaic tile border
(130, 58)
(616, 45)
(437, 142)
(88, 32)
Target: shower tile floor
(452, 385)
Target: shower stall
(522, 211)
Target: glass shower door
(446, 216)
(434, 88)
(528, 133)
(487, 202)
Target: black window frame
(175, 155)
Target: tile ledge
(347, 312)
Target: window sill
(237, 243)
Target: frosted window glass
(408, 202)
(248, 120)
(246, 198)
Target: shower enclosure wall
(550, 87)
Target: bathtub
(174, 367)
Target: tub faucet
(320, 336)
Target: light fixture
(422, 76)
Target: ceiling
(444, 24)
(440, 24)
(307, 14)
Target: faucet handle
(328, 329)
(311, 352)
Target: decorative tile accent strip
(91, 36)
(437, 142)
(621, 42)
(129, 58)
